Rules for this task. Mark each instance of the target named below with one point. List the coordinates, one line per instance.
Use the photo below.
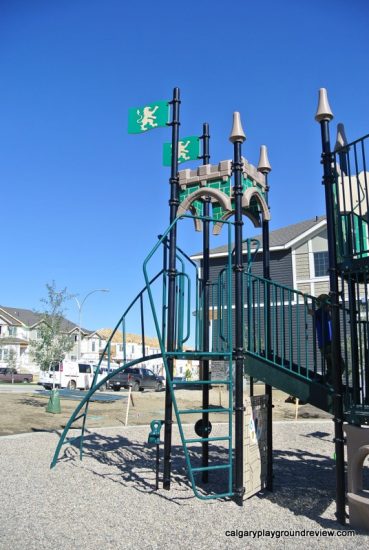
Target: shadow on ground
(304, 482)
(134, 464)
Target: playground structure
(259, 327)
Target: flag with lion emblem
(188, 149)
(148, 117)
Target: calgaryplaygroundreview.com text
(280, 533)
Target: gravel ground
(108, 500)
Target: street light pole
(80, 305)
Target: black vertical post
(205, 306)
(323, 116)
(237, 138)
(173, 205)
(351, 291)
(264, 168)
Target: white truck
(72, 375)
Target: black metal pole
(205, 305)
(239, 348)
(351, 295)
(268, 388)
(173, 205)
(157, 466)
(328, 181)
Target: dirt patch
(23, 413)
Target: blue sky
(81, 200)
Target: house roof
(279, 238)
(7, 340)
(19, 316)
(130, 338)
(22, 316)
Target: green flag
(148, 117)
(188, 149)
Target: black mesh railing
(351, 195)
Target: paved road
(69, 394)
(19, 388)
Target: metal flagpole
(173, 205)
(324, 115)
(237, 137)
(264, 167)
(205, 307)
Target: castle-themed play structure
(258, 326)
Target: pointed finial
(341, 140)
(324, 111)
(264, 164)
(237, 133)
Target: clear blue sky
(81, 200)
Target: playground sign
(188, 149)
(148, 117)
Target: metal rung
(216, 495)
(191, 411)
(208, 468)
(72, 440)
(199, 382)
(202, 440)
(78, 417)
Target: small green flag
(188, 149)
(153, 115)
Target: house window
(321, 264)
(12, 331)
(93, 345)
(4, 354)
(76, 337)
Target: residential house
(298, 256)
(18, 326)
(298, 260)
(134, 350)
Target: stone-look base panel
(357, 451)
(255, 444)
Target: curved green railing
(85, 401)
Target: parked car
(137, 378)
(12, 375)
(181, 383)
(68, 374)
(177, 381)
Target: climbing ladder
(225, 354)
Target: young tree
(188, 374)
(53, 342)
(10, 358)
(12, 362)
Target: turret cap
(324, 111)
(237, 133)
(264, 164)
